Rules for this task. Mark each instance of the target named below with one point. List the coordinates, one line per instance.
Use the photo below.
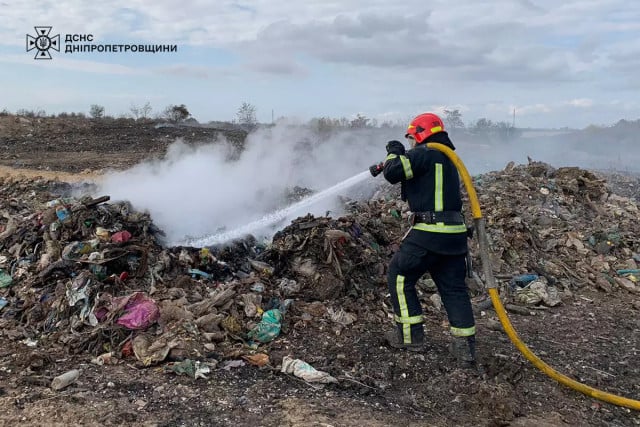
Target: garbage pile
(623, 184)
(330, 258)
(564, 228)
(86, 276)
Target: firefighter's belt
(432, 217)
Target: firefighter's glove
(395, 147)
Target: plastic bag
(268, 328)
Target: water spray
(276, 217)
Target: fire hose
(491, 286)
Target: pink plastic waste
(121, 236)
(140, 312)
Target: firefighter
(436, 242)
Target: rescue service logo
(42, 42)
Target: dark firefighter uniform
(437, 241)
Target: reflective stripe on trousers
(404, 310)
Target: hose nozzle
(376, 169)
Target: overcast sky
(558, 63)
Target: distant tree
(96, 111)
(505, 131)
(495, 131)
(141, 112)
(453, 119)
(322, 125)
(246, 115)
(327, 124)
(483, 125)
(146, 110)
(176, 113)
(359, 122)
(4, 112)
(24, 112)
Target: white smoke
(195, 191)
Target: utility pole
(272, 116)
(514, 118)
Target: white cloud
(72, 64)
(533, 109)
(485, 55)
(581, 103)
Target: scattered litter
(105, 359)
(259, 359)
(268, 328)
(150, 351)
(341, 317)
(195, 369)
(195, 272)
(65, 380)
(537, 291)
(302, 369)
(289, 287)
(140, 311)
(5, 279)
(230, 364)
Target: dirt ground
(594, 340)
(593, 337)
(77, 145)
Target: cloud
(72, 65)
(581, 103)
(431, 42)
(499, 40)
(532, 109)
(193, 71)
(277, 66)
(377, 55)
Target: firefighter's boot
(464, 350)
(396, 338)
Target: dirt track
(7, 171)
(593, 337)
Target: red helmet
(423, 126)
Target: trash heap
(564, 227)
(623, 184)
(86, 276)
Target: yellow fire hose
(497, 304)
